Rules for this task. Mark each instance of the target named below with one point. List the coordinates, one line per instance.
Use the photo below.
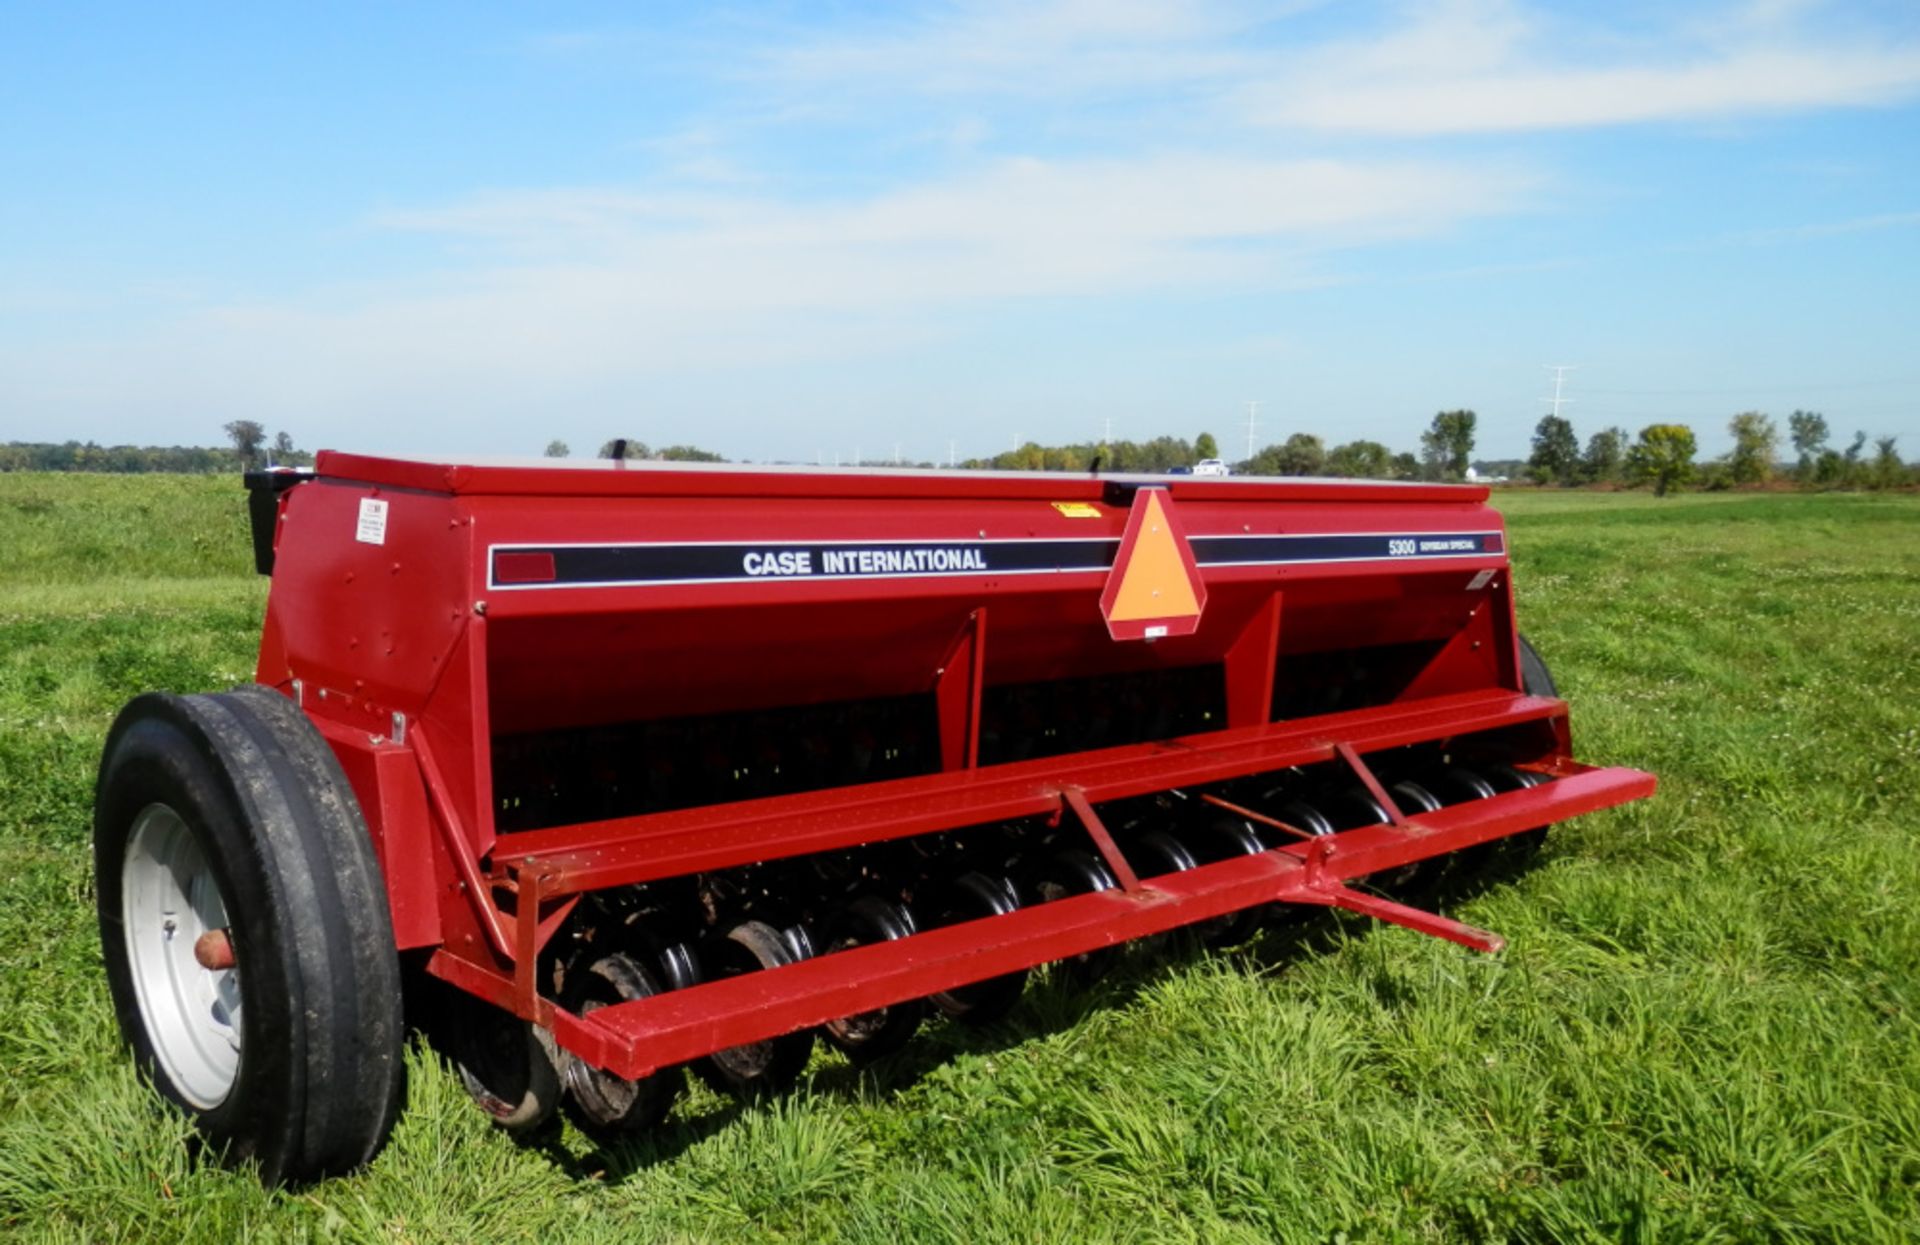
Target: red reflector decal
(523, 568)
(1493, 542)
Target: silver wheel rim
(168, 899)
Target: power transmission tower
(952, 460)
(1253, 421)
(1559, 371)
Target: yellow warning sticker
(1077, 509)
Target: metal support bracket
(1371, 783)
(1416, 919)
(455, 840)
(526, 929)
(1251, 815)
(1076, 799)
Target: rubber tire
(320, 1070)
(750, 946)
(1535, 678)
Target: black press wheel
(244, 925)
(975, 896)
(1069, 872)
(1414, 881)
(509, 1066)
(1514, 852)
(872, 1035)
(764, 1067)
(1158, 852)
(602, 1104)
(1226, 838)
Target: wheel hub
(184, 970)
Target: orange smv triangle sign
(1154, 588)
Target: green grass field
(1706, 1026)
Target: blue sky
(816, 230)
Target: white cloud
(1489, 66)
(1514, 97)
(568, 293)
(1463, 67)
(1034, 49)
(1013, 228)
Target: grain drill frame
(661, 765)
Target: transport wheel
(884, 1030)
(509, 1066)
(768, 1066)
(1535, 678)
(602, 1104)
(973, 897)
(244, 925)
(1078, 872)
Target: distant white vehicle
(1211, 467)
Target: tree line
(1664, 456)
(1446, 452)
(121, 459)
(249, 448)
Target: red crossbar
(635, 1038)
(628, 850)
